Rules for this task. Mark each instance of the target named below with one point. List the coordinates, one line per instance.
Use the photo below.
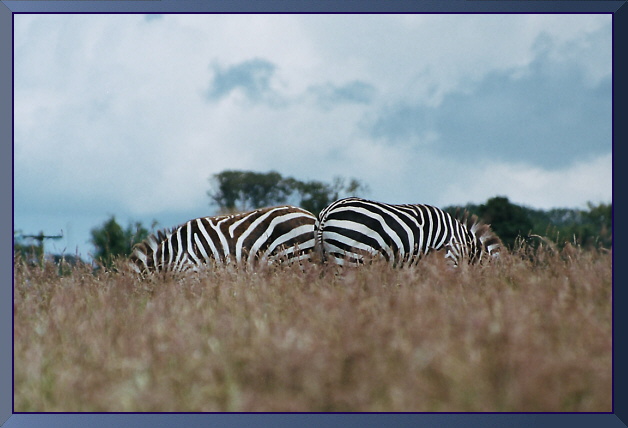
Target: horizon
(130, 115)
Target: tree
(507, 220)
(601, 217)
(244, 190)
(112, 241)
(591, 228)
(315, 195)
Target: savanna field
(529, 333)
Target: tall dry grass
(530, 333)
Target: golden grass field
(530, 333)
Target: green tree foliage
(315, 195)
(233, 190)
(242, 190)
(508, 220)
(589, 228)
(112, 241)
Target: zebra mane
(490, 241)
(151, 243)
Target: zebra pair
(347, 232)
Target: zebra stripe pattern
(351, 230)
(266, 235)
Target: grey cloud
(549, 117)
(252, 77)
(355, 92)
(401, 122)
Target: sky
(130, 115)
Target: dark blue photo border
(620, 53)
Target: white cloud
(424, 57)
(573, 186)
(111, 113)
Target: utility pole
(41, 237)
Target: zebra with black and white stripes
(263, 236)
(351, 230)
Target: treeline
(588, 228)
(233, 191)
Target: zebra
(266, 235)
(351, 229)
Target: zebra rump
(351, 230)
(266, 235)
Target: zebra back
(266, 235)
(351, 229)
